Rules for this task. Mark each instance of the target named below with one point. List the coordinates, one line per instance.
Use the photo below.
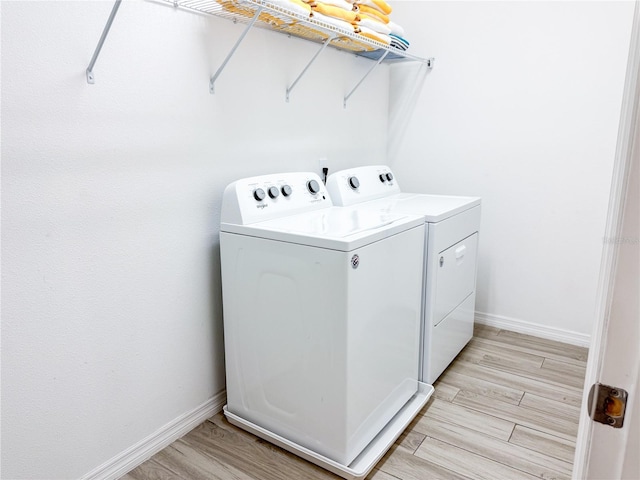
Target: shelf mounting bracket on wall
(344, 103)
(105, 32)
(320, 50)
(213, 79)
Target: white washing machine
(450, 253)
(321, 321)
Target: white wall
(111, 314)
(111, 311)
(522, 109)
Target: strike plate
(607, 404)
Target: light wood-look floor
(506, 408)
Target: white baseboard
(542, 331)
(143, 450)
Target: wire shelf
(275, 17)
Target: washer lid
(336, 228)
(433, 208)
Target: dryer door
(455, 276)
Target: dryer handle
(460, 253)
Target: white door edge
(620, 179)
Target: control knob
(313, 186)
(389, 176)
(259, 194)
(383, 177)
(286, 190)
(354, 182)
(273, 192)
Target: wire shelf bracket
(215, 76)
(325, 44)
(105, 32)
(428, 62)
(382, 57)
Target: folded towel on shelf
(247, 11)
(335, 12)
(336, 3)
(398, 42)
(373, 35)
(336, 22)
(348, 43)
(374, 13)
(395, 28)
(380, 5)
(305, 31)
(297, 6)
(373, 24)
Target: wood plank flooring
(506, 408)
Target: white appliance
(450, 253)
(321, 321)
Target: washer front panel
(318, 351)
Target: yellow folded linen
(373, 35)
(336, 3)
(348, 43)
(301, 4)
(374, 13)
(380, 5)
(304, 31)
(232, 6)
(336, 12)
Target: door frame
(627, 134)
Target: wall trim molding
(136, 454)
(537, 330)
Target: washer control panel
(357, 185)
(386, 177)
(256, 199)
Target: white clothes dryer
(450, 255)
(321, 320)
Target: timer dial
(259, 194)
(274, 192)
(313, 186)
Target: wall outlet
(323, 164)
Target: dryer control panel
(361, 184)
(266, 197)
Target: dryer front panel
(455, 276)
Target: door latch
(607, 404)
